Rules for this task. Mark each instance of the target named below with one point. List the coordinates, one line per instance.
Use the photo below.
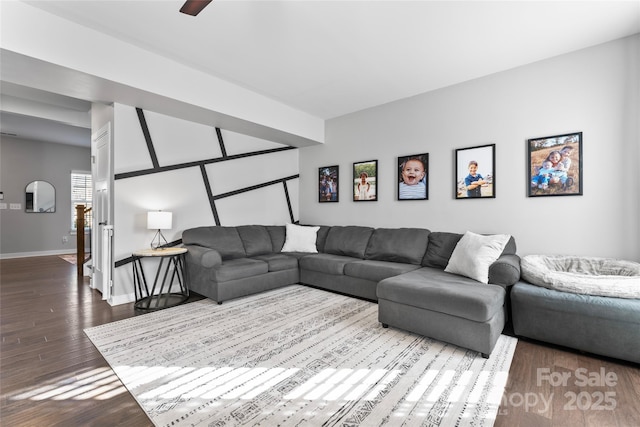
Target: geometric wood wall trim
(157, 168)
(147, 138)
(201, 165)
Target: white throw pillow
(300, 239)
(474, 254)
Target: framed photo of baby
(555, 165)
(475, 172)
(365, 178)
(413, 173)
(328, 184)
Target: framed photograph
(413, 173)
(554, 165)
(365, 178)
(475, 172)
(328, 184)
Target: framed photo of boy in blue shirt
(475, 172)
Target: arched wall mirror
(40, 197)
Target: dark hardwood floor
(51, 375)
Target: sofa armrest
(202, 256)
(505, 271)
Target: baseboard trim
(121, 299)
(37, 254)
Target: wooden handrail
(80, 211)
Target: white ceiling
(331, 58)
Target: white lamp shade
(159, 220)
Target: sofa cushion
(348, 240)
(300, 239)
(441, 246)
(225, 240)
(436, 290)
(510, 248)
(278, 262)
(406, 245)
(256, 239)
(277, 234)
(377, 270)
(239, 268)
(474, 254)
(325, 263)
(322, 237)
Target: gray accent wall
(22, 161)
(595, 91)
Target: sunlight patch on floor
(99, 384)
(229, 383)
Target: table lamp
(158, 220)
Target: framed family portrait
(475, 172)
(328, 184)
(555, 165)
(413, 172)
(365, 178)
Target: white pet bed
(583, 275)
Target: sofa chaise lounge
(402, 269)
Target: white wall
(189, 148)
(595, 91)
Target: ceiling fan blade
(194, 7)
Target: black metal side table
(160, 295)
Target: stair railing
(81, 214)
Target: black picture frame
(369, 191)
(328, 178)
(410, 185)
(483, 159)
(562, 176)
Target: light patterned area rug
(298, 356)
(73, 259)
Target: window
(81, 195)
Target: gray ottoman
(602, 325)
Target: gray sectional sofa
(402, 269)
(230, 262)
